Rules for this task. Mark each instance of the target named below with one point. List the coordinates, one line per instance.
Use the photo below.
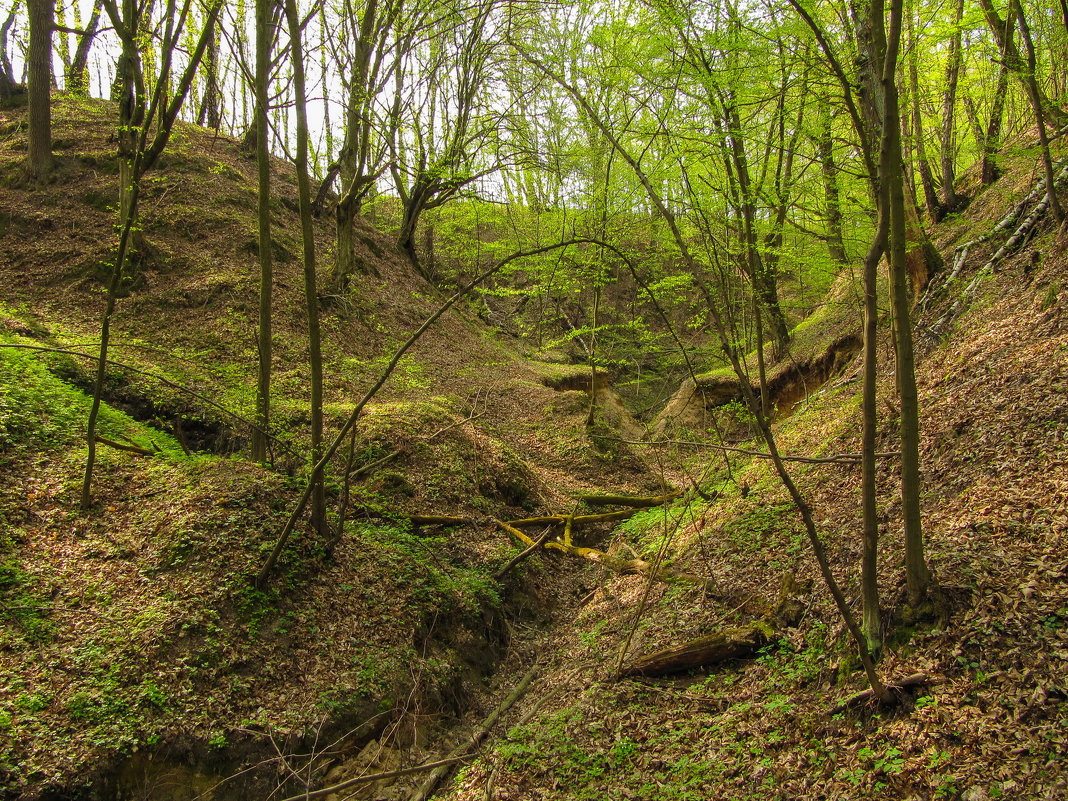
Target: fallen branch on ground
(373, 777)
(862, 698)
(134, 449)
(515, 560)
(619, 564)
(438, 520)
(578, 520)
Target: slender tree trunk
(1003, 33)
(209, 114)
(318, 500)
(264, 40)
(923, 166)
(8, 84)
(1034, 94)
(917, 575)
(991, 169)
(825, 148)
(39, 85)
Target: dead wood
(515, 560)
(438, 520)
(896, 688)
(632, 501)
(367, 468)
(619, 564)
(733, 643)
(373, 777)
(577, 520)
(134, 449)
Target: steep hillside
(138, 661)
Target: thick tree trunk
(39, 85)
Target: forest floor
(136, 658)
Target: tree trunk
(1003, 33)
(1034, 94)
(923, 166)
(264, 40)
(318, 498)
(951, 201)
(825, 147)
(39, 86)
(991, 170)
(917, 575)
(209, 114)
(77, 79)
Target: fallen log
(619, 564)
(734, 643)
(577, 520)
(137, 450)
(438, 520)
(515, 560)
(635, 502)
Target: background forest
(517, 399)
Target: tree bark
(1003, 34)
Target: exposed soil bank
(789, 384)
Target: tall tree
(77, 78)
(265, 25)
(311, 295)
